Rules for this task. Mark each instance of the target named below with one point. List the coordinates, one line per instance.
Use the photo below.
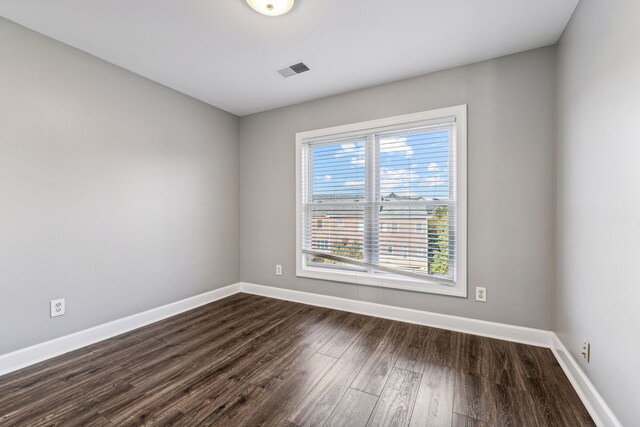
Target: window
(393, 182)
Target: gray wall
(115, 192)
(598, 197)
(511, 155)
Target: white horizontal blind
(417, 201)
(385, 199)
(334, 206)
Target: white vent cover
(293, 70)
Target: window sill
(429, 287)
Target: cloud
(327, 177)
(354, 183)
(397, 178)
(433, 167)
(357, 161)
(395, 145)
(433, 181)
(349, 148)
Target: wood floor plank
(504, 365)
(535, 361)
(159, 379)
(171, 326)
(299, 346)
(246, 372)
(549, 406)
(87, 418)
(484, 400)
(434, 404)
(413, 352)
(344, 336)
(549, 388)
(285, 390)
(210, 343)
(233, 392)
(37, 391)
(472, 355)
(442, 347)
(36, 374)
(354, 409)
(462, 421)
(318, 405)
(474, 398)
(490, 358)
(210, 375)
(273, 407)
(71, 393)
(395, 405)
(253, 361)
(376, 370)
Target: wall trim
(22, 358)
(483, 328)
(598, 409)
(593, 401)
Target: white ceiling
(224, 53)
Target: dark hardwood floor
(250, 361)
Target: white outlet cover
(278, 270)
(58, 307)
(481, 294)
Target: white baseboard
(37, 353)
(483, 328)
(592, 400)
(595, 404)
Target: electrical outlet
(586, 350)
(278, 270)
(58, 307)
(481, 294)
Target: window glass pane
(342, 232)
(415, 165)
(401, 235)
(425, 252)
(338, 171)
(440, 235)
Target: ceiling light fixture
(271, 7)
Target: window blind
(382, 202)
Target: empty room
(319, 213)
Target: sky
(410, 165)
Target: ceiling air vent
(293, 70)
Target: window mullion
(307, 198)
(452, 211)
(372, 197)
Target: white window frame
(429, 284)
